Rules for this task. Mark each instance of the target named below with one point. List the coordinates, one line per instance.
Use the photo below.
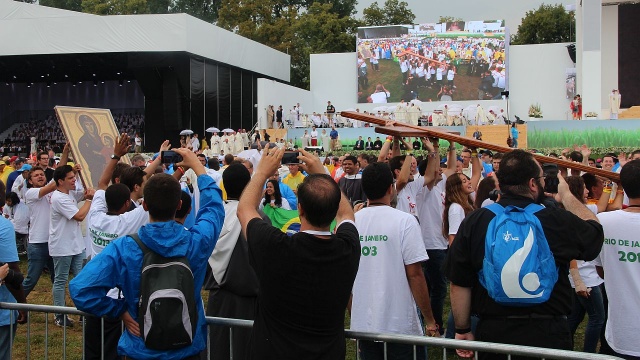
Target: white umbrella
(379, 108)
(212, 130)
(416, 102)
(252, 155)
(391, 109)
(186, 132)
(227, 130)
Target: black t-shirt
(569, 237)
(331, 109)
(305, 284)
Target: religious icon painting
(92, 134)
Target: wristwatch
(115, 157)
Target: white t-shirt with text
(620, 259)
(382, 298)
(430, 208)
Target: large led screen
(432, 62)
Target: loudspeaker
(572, 52)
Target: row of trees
(303, 27)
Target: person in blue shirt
(10, 284)
(119, 264)
(514, 135)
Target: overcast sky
(510, 10)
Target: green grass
(599, 137)
(41, 294)
(391, 77)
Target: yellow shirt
(294, 181)
(5, 173)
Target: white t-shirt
(620, 260)
(382, 298)
(20, 217)
(430, 208)
(407, 196)
(285, 204)
(380, 97)
(39, 215)
(65, 235)
(105, 228)
(456, 215)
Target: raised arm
(476, 169)
(151, 169)
(451, 160)
(405, 173)
(384, 151)
(248, 204)
(120, 149)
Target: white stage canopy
(36, 30)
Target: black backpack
(167, 308)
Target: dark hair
(228, 159)
(132, 176)
(516, 169)
(498, 156)
(137, 157)
(117, 171)
(484, 188)
(277, 196)
(185, 208)
(551, 181)
(590, 181)
(214, 163)
(376, 179)
(635, 152)
(61, 172)
(422, 166)
(42, 153)
(235, 178)
(576, 186)
(629, 176)
(576, 156)
(162, 195)
(396, 163)
(352, 158)
(319, 196)
(116, 196)
(455, 194)
(201, 155)
(15, 199)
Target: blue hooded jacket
(119, 265)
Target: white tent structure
(181, 71)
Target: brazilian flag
(287, 221)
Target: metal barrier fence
(416, 341)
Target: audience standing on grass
(298, 287)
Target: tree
(73, 5)
(319, 31)
(547, 24)
(206, 10)
(447, 19)
(114, 7)
(394, 12)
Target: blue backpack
(518, 267)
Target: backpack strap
(533, 208)
(142, 246)
(495, 208)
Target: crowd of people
(46, 134)
(395, 228)
(434, 63)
